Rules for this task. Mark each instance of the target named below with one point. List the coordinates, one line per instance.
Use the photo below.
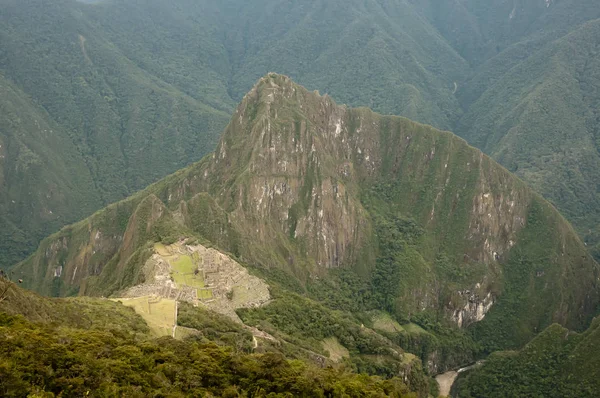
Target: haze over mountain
(315, 199)
(315, 248)
(99, 100)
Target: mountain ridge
(129, 107)
(424, 222)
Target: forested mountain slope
(137, 90)
(98, 347)
(540, 120)
(530, 100)
(557, 363)
(82, 124)
(422, 225)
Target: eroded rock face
(293, 182)
(475, 309)
(499, 212)
(304, 160)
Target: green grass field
(184, 267)
(336, 351)
(414, 328)
(161, 249)
(384, 322)
(159, 313)
(204, 294)
(183, 272)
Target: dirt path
(83, 50)
(445, 381)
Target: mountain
(357, 212)
(556, 363)
(133, 91)
(545, 128)
(114, 95)
(532, 108)
(531, 99)
(82, 124)
(98, 347)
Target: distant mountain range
(100, 100)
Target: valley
(321, 198)
(446, 380)
(312, 234)
(145, 100)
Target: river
(446, 380)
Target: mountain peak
(275, 80)
(266, 87)
(304, 185)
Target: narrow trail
(175, 320)
(83, 50)
(455, 88)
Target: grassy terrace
(159, 313)
(184, 269)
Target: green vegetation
(214, 327)
(518, 317)
(307, 324)
(556, 363)
(101, 99)
(85, 122)
(385, 323)
(335, 350)
(430, 231)
(185, 272)
(98, 348)
(540, 120)
(80, 313)
(46, 361)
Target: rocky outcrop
(474, 310)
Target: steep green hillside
(131, 91)
(540, 120)
(43, 182)
(380, 54)
(530, 99)
(557, 363)
(425, 227)
(98, 348)
(498, 34)
(82, 124)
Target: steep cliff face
(304, 185)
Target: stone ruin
(230, 284)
